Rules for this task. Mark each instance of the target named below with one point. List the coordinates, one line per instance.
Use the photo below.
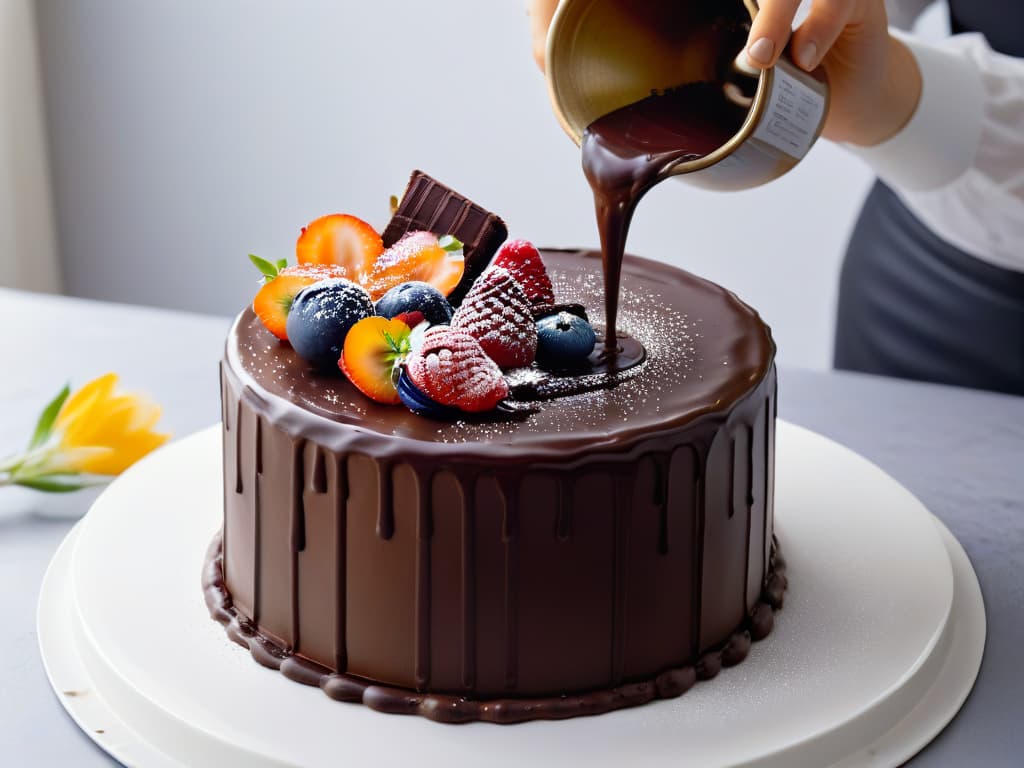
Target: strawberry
(373, 348)
(281, 285)
(452, 369)
(497, 313)
(417, 257)
(342, 240)
(524, 263)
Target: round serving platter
(877, 647)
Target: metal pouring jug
(605, 54)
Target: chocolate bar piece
(428, 205)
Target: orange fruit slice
(373, 348)
(417, 256)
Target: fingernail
(807, 57)
(761, 51)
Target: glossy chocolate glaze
(628, 151)
(583, 550)
(455, 708)
(705, 351)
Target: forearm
(896, 101)
(938, 138)
(959, 162)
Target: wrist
(898, 97)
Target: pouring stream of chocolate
(628, 151)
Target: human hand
(874, 79)
(540, 12)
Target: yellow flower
(103, 432)
(95, 431)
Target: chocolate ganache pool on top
(628, 151)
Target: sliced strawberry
(274, 300)
(342, 240)
(419, 256)
(373, 348)
(497, 313)
(524, 263)
(452, 369)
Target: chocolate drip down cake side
(482, 511)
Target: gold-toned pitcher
(605, 54)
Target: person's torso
(1001, 21)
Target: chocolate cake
(608, 542)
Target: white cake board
(877, 647)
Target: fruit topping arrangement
(405, 322)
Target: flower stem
(11, 463)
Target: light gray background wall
(186, 134)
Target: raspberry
(524, 263)
(452, 369)
(497, 313)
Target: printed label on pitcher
(792, 115)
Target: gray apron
(913, 306)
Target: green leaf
(268, 270)
(450, 243)
(44, 427)
(281, 264)
(399, 347)
(53, 483)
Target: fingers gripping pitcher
(662, 88)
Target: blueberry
(563, 341)
(320, 318)
(416, 297)
(419, 403)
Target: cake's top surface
(705, 350)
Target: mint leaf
(268, 270)
(281, 264)
(390, 340)
(450, 243)
(44, 427)
(53, 483)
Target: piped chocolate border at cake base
(447, 708)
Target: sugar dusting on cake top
(703, 347)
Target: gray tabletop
(960, 451)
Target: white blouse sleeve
(959, 161)
(903, 13)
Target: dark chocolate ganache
(613, 546)
(705, 350)
(628, 151)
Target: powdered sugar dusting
(672, 340)
(685, 356)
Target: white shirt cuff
(939, 142)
